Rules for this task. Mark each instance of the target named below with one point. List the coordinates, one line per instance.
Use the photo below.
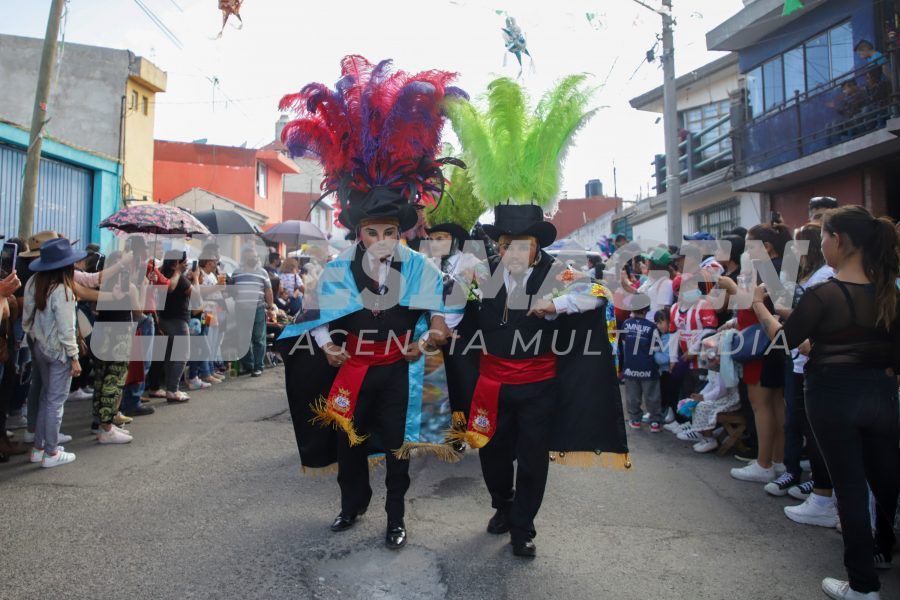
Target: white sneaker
(196, 384)
(80, 395)
(88, 389)
(36, 456)
(644, 419)
(62, 438)
(780, 469)
(814, 511)
(122, 429)
(60, 458)
(754, 472)
(28, 437)
(707, 445)
(669, 416)
(841, 590)
(802, 491)
(17, 422)
(690, 436)
(673, 427)
(113, 436)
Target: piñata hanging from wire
(230, 8)
(377, 135)
(516, 44)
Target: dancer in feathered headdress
(547, 380)
(377, 136)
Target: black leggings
(853, 413)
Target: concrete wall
(590, 233)
(139, 128)
(85, 102)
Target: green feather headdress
(460, 205)
(513, 154)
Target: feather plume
(461, 206)
(377, 127)
(514, 154)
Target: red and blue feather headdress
(377, 135)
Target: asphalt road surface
(209, 502)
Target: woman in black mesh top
(852, 323)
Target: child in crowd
(668, 385)
(715, 397)
(691, 318)
(640, 371)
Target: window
(134, 100)
(773, 84)
(718, 218)
(818, 61)
(841, 45)
(794, 76)
(818, 70)
(146, 104)
(699, 119)
(755, 91)
(261, 179)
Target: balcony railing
(695, 158)
(851, 106)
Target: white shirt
(660, 292)
(382, 268)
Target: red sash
(494, 372)
(337, 410)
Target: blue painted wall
(107, 174)
(860, 12)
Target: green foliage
(513, 154)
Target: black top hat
(378, 203)
(453, 229)
(56, 254)
(521, 219)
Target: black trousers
(524, 422)
(381, 413)
(853, 413)
(797, 430)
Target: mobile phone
(8, 259)
(193, 266)
(124, 280)
(101, 262)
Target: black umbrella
(294, 233)
(226, 222)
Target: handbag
(749, 344)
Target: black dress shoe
(525, 548)
(499, 523)
(343, 522)
(395, 538)
(140, 411)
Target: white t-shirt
(660, 293)
(822, 274)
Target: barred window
(718, 218)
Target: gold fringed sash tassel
(604, 460)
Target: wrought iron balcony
(700, 153)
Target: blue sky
(287, 43)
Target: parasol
(154, 218)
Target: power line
(160, 25)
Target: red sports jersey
(690, 324)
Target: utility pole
(38, 120)
(670, 124)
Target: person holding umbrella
(49, 323)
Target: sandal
(176, 397)
(158, 394)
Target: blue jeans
(200, 368)
(56, 376)
(255, 357)
(131, 394)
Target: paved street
(208, 502)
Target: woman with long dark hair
(853, 325)
(818, 507)
(49, 323)
(764, 377)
